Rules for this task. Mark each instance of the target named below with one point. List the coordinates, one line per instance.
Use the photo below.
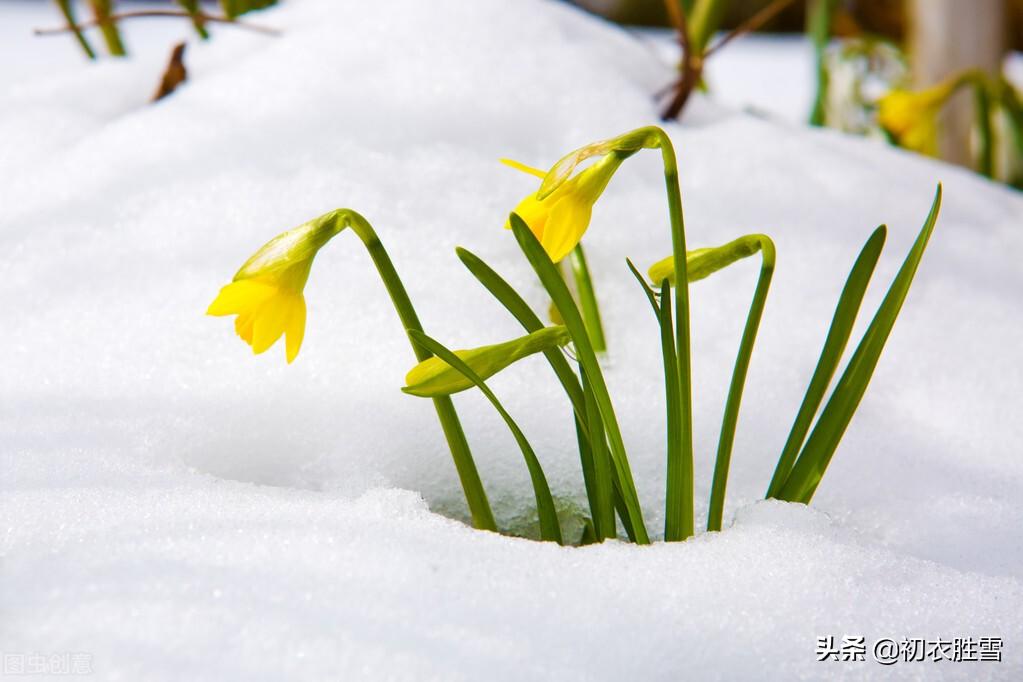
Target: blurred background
(936, 77)
(869, 48)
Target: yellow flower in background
(266, 293)
(560, 219)
(911, 117)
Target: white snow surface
(179, 509)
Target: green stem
(588, 299)
(101, 10)
(475, 496)
(195, 12)
(684, 480)
(706, 18)
(601, 509)
(818, 26)
(742, 360)
(550, 528)
(985, 131)
(551, 279)
(69, 15)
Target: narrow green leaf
(101, 11)
(730, 420)
(587, 298)
(558, 291)
(520, 310)
(823, 440)
(195, 12)
(679, 469)
(834, 345)
(67, 9)
(678, 473)
(602, 470)
(550, 528)
(646, 289)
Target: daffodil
(267, 292)
(911, 117)
(561, 217)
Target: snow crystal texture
(178, 509)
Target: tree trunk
(946, 37)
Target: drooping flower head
(266, 293)
(560, 219)
(559, 212)
(911, 117)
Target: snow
(179, 509)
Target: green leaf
(730, 420)
(235, 8)
(520, 310)
(677, 471)
(102, 11)
(550, 528)
(834, 345)
(195, 12)
(558, 291)
(603, 476)
(587, 298)
(823, 440)
(434, 377)
(67, 9)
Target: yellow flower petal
(240, 296)
(270, 322)
(295, 330)
(566, 226)
(243, 326)
(534, 213)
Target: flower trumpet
(267, 291)
(560, 219)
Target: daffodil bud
(434, 377)
(267, 291)
(702, 263)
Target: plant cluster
(107, 20)
(266, 296)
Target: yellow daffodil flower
(911, 117)
(266, 293)
(560, 219)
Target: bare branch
(158, 13)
